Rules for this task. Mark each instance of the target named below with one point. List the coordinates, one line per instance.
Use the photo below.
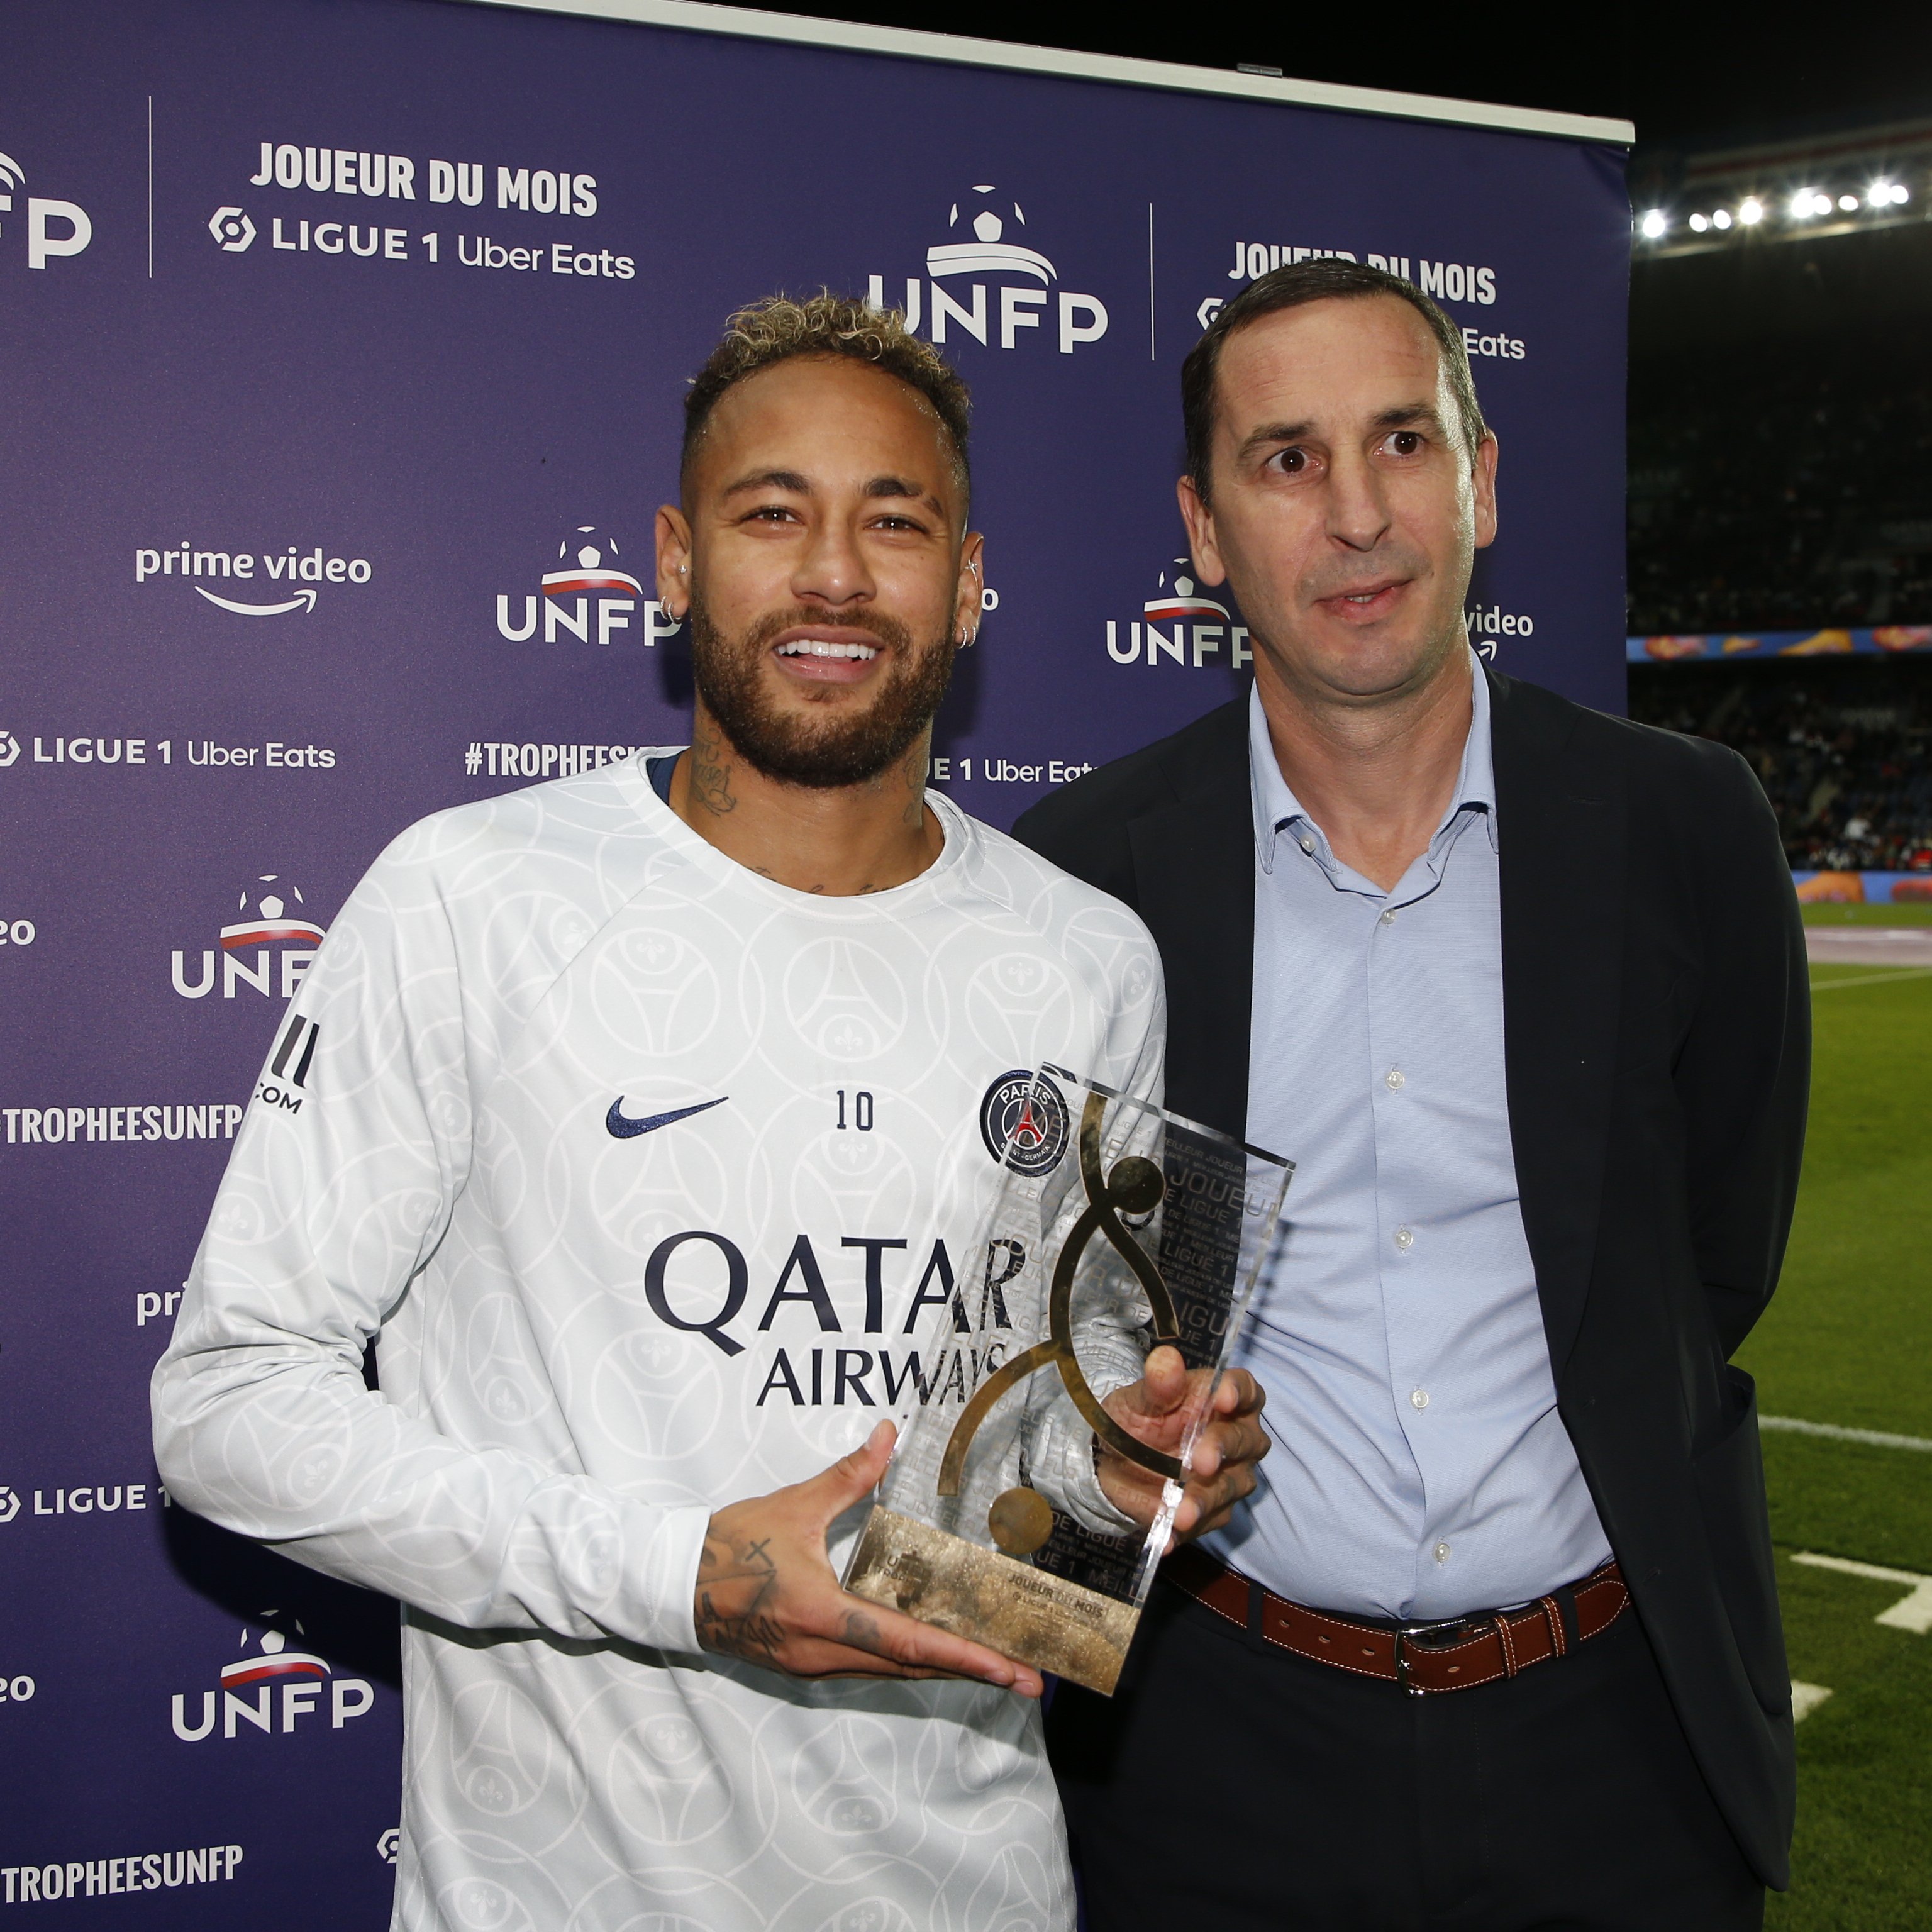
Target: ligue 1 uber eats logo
(987, 279)
(268, 936)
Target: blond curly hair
(774, 330)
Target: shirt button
(1418, 1398)
(1404, 1240)
(1308, 844)
(1393, 1079)
(1442, 1552)
(1387, 918)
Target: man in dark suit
(1522, 988)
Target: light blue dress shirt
(1420, 1469)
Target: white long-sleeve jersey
(653, 1177)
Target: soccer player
(646, 1120)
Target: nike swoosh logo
(621, 1127)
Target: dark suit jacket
(1658, 1027)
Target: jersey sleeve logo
(297, 1049)
(285, 1084)
(1023, 1120)
(622, 1127)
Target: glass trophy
(1116, 1227)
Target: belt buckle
(1474, 1625)
(1402, 1666)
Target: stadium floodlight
(1802, 207)
(1699, 223)
(1722, 219)
(1900, 194)
(1655, 223)
(1750, 210)
(1847, 203)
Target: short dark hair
(1323, 279)
(765, 333)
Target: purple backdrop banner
(344, 346)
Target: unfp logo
(1180, 622)
(586, 586)
(272, 921)
(274, 1690)
(986, 280)
(54, 228)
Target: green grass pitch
(1849, 1341)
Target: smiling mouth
(821, 647)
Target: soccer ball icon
(270, 910)
(982, 215)
(588, 559)
(268, 897)
(588, 547)
(983, 237)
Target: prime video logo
(297, 570)
(987, 239)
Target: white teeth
(817, 647)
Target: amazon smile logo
(269, 585)
(622, 1127)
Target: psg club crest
(1023, 1120)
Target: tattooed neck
(912, 771)
(710, 769)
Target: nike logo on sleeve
(622, 1128)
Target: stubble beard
(845, 744)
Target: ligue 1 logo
(586, 585)
(979, 282)
(270, 919)
(1182, 623)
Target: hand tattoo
(861, 1633)
(737, 1582)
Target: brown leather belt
(1455, 1656)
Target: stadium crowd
(1841, 749)
(1797, 492)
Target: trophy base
(1010, 1606)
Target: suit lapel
(1194, 875)
(1560, 827)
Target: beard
(841, 744)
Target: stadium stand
(1792, 490)
(1841, 747)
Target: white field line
(1877, 1437)
(1805, 1698)
(1912, 1612)
(1880, 979)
